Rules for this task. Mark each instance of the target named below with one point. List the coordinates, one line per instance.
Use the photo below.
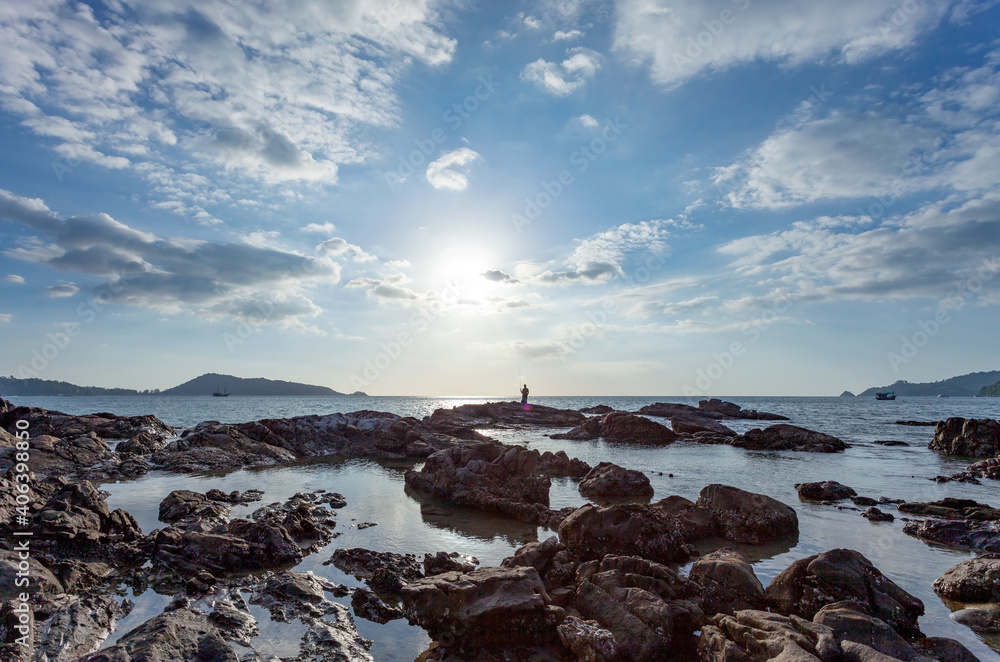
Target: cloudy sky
(435, 197)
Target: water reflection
(472, 523)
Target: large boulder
(212, 446)
(809, 584)
(103, 425)
(623, 427)
(984, 536)
(185, 503)
(732, 410)
(179, 635)
(972, 580)
(827, 490)
(77, 625)
(624, 529)
(651, 611)
(501, 414)
(759, 636)
(41, 581)
(76, 520)
(747, 517)
(967, 437)
(783, 437)
(608, 480)
(695, 522)
(695, 424)
(728, 581)
(493, 606)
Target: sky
(420, 197)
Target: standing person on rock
(524, 395)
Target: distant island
(968, 385)
(204, 385)
(991, 391)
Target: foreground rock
(784, 437)
(810, 584)
(626, 529)
(969, 534)
(621, 426)
(608, 480)
(827, 490)
(967, 437)
(973, 580)
(746, 517)
(174, 636)
(728, 582)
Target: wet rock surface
(500, 414)
(624, 529)
(967, 437)
(728, 583)
(747, 517)
(608, 480)
(983, 536)
(973, 580)
(732, 410)
(783, 437)
(623, 427)
(827, 490)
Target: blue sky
(437, 198)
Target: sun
(464, 269)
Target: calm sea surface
(375, 491)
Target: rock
(785, 437)
(184, 503)
(983, 536)
(827, 490)
(623, 427)
(588, 640)
(290, 594)
(760, 636)
(809, 584)
(624, 529)
(370, 607)
(651, 610)
(730, 410)
(728, 581)
(973, 580)
(77, 626)
(494, 414)
(967, 437)
(609, 480)
(746, 517)
(174, 636)
(435, 564)
(75, 521)
(979, 618)
(142, 443)
(210, 446)
(483, 608)
(560, 464)
(864, 501)
(41, 580)
(986, 468)
(951, 508)
(851, 624)
(555, 566)
(63, 426)
(890, 442)
(598, 409)
(671, 410)
(695, 522)
(231, 615)
(489, 476)
(918, 423)
(944, 650)
(873, 514)
(694, 424)
(363, 563)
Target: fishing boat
(220, 394)
(885, 395)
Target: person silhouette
(524, 395)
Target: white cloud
(14, 278)
(567, 35)
(566, 77)
(681, 39)
(244, 92)
(338, 247)
(5, 318)
(589, 122)
(61, 291)
(320, 228)
(449, 171)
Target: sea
(375, 491)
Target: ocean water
(376, 492)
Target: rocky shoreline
(607, 588)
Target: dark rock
(785, 437)
(890, 442)
(695, 522)
(951, 508)
(651, 611)
(599, 409)
(873, 514)
(77, 626)
(184, 503)
(209, 446)
(760, 636)
(362, 563)
(671, 410)
(65, 426)
(435, 564)
(560, 464)
(851, 624)
(746, 517)
(610, 480)
(41, 581)
(366, 525)
(728, 581)
(369, 606)
(809, 584)
(979, 618)
(967, 437)
(730, 410)
(502, 414)
(587, 640)
(983, 536)
(549, 557)
(945, 650)
(623, 427)
(918, 423)
(986, 468)
(827, 490)
(179, 635)
(142, 443)
(864, 501)
(625, 529)
(488, 607)
(695, 424)
(973, 580)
